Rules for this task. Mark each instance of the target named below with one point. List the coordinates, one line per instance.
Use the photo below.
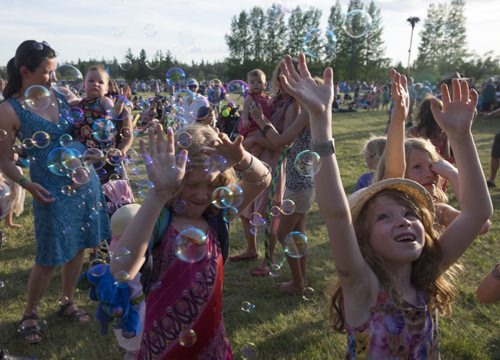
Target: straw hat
(413, 189)
(122, 217)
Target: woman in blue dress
(68, 217)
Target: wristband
(245, 170)
(22, 181)
(495, 272)
(323, 149)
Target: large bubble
(307, 163)
(68, 80)
(37, 97)
(191, 245)
(103, 130)
(61, 161)
(357, 23)
(295, 244)
(175, 76)
(41, 139)
(318, 44)
(236, 90)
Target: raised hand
(400, 96)
(232, 151)
(165, 169)
(456, 116)
(315, 98)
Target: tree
(258, 36)
(456, 35)
(334, 27)
(299, 24)
(375, 63)
(239, 41)
(275, 29)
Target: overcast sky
(195, 29)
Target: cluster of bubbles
(287, 207)
(247, 307)
(227, 198)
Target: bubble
(187, 338)
(307, 163)
(249, 351)
(41, 139)
(150, 30)
(102, 174)
(318, 44)
(65, 140)
(68, 190)
(357, 23)
(179, 206)
(183, 96)
(236, 90)
(68, 79)
(98, 270)
(237, 196)
(184, 139)
(125, 133)
(3, 135)
(117, 31)
(175, 76)
(80, 175)
(221, 197)
(125, 64)
(247, 306)
(37, 97)
(153, 60)
(275, 270)
(215, 162)
(61, 161)
(122, 276)
(94, 156)
(214, 94)
(191, 245)
(230, 214)
(62, 124)
(257, 220)
(186, 38)
(308, 293)
(121, 255)
(295, 244)
(287, 207)
(103, 130)
(132, 155)
(5, 192)
(28, 143)
(3, 288)
(275, 211)
(215, 83)
(114, 156)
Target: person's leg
(494, 164)
(9, 220)
(251, 238)
(70, 272)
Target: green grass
(282, 327)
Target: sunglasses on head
(40, 45)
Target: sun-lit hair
(101, 69)
(374, 147)
(426, 125)
(418, 144)
(426, 275)
(201, 136)
(255, 73)
(276, 93)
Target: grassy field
(281, 327)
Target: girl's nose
(404, 222)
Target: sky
(193, 30)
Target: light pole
(413, 20)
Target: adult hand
(165, 169)
(39, 193)
(232, 151)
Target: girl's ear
(25, 72)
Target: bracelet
(323, 149)
(22, 181)
(495, 272)
(265, 129)
(262, 178)
(247, 169)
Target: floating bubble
(150, 30)
(102, 174)
(183, 96)
(184, 139)
(68, 190)
(94, 156)
(175, 76)
(28, 143)
(125, 133)
(215, 162)
(295, 244)
(179, 206)
(153, 61)
(307, 163)
(308, 293)
(186, 38)
(214, 94)
(65, 140)
(114, 156)
(68, 80)
(182, 158)
(5, 192)
(3, 135)
(275, 211)
(215, 83)
(62, 124)
(37, 97)
(191, 245)
(249, 351)
(121, 255)
(247, 306)
(103, 130)
(357, 23)
(117, 31)
(318, 44)
(236, 90)
(257, 220)
(230, 214)
(187, 338)
(221, 197)
(61, 161)
(122, 276)
(41, 139)
(125, 64)
(287, 207)
(275, 270)
(80, 175)
(237, 196)
(132, 155)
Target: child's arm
(246, 112)
(166, 174)
(359, 284)
(395, 161)
(488, 291)
(476, 208)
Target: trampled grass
(281, 327)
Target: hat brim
(413, 189)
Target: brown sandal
(27, 332)
(76, 315)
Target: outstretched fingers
(303, 69)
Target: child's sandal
(77, 315)
(30, 334)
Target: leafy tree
(276, 30)
(258, 36)
(455, 36)
(375, 64)
(300, 24)
(334, 27)
(239, 40)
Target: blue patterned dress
(70, 223)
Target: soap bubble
(221, 197)
(214, 94)
(125, 64)
(184, 139)
(150, 30)
(125, 132)
(308, 293)
(98, 270)
(179, 206)
(117, 31)
(287, 207)
(153, 60)
(236, 90)
(318, 44)
(175, 76)
(68, 190)
(114, 156)
(307, 163)
(187, 338)
(121, 255)
(61, 161)
(3, 288)
(230, 214)
(80, 175)
(65, 140)
(237, 196)
(247, 306)
(103, 130)
(3, 135)
(68, 80)
(275, 270)
(257, 220)
(357, 23)
(275, 211)
(186, 38)
(183, 96)
(191, 245)
(122, 276)
(214, 163)
(62, 124)
(94, 156)
(249, 351)
(5, 192)
(37, 97)
(41, 139)
(295, 244)
(28, 143)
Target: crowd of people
(394, 239)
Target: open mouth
(406, 238)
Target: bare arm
(246, 111)
(476, 208)
(488, 291)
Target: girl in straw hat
(388, 257)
